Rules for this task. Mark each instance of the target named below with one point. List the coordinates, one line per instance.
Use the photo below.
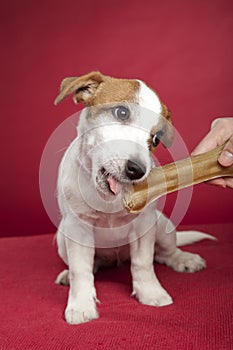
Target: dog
(122, 123)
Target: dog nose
(134, 170)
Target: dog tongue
(114, 185)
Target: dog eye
(156, 138)
(121, 113)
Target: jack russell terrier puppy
(122, 123)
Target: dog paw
(185, 262)
(77, 315)
(63, 278)
(153, 296)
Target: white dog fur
(122, 123)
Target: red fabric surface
(32, 305)
(181, 48)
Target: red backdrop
(181, 48)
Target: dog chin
(107, 184)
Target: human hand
(221, 131)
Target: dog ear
(168, 133)
(84, 87)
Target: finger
(218, 182)
(229, 182)
(226, 157)
(222, 182)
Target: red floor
(32, 305)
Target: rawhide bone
(174, 176)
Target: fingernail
(226, 158)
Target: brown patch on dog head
(168, 133)
(166, 123)
(166, 113)
(95, 88)
(164, 127)
(164, 133)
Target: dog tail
(188, 237)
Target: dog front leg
(146, 286)
(81, 306)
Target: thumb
(226, 157)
